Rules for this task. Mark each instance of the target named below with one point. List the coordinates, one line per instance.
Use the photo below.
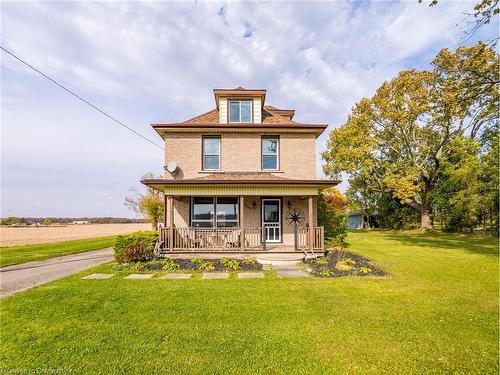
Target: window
(270, 149)
(203, 209)
(240, 111)
(227, 211)
(211, 153)
(202, 212)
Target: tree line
(424, 148)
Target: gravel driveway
(24, 276)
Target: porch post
(242, 222)
(311, 222)
(164, 210)
(171, 227)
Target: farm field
(18, 236)
(435, 312)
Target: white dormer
(240, 106)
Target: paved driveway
(24, 276)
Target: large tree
(397, 141)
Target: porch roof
(239, 183)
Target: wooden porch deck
(235, 240)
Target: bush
(170, 265)
(230, 264)
(135, 247)
(203, 265)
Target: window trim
(214, 221)
(203, 137)
(262, 138)
(229, 101)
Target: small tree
(148, 204)
(47, 221)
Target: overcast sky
(159, 61)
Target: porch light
(289, 205)
(254, 205)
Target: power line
(79, 97)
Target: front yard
(436, 311)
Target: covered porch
(265, 216)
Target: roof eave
(319, 183)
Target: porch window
(211, 153)
(202, 212)
(227, 211)
(240, 111)
(203, 209)
(270, 150)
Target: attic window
(240, 111)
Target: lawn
(27, 253)
(437, 312)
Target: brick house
(240, 178)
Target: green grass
(22, 254)
(437, 312)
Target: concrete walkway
(24, 276)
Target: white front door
(271, 219)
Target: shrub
(345, 264)
(230, 264)
(135, 247)
(203, 265)
(170, 265)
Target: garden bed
(194, 264)
(339, 263)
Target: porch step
(282, 260)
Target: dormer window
(240, 111)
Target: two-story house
(240, 178)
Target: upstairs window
(240, 111)
(211, 153)
(270, 153)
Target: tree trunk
(426, 222)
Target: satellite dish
(171, 167)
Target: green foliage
(467, 194)
(345, 264)
(137, 246)
(170, 265)
(334, 222)
(230, 264)
(249, 261)
(47, 221)
(203, 265)
(139, 266)
(398, 142)
(393, 214)
(325, 273)
(321, 261)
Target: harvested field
(16, 236)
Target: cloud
(145, 62)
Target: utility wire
(79, 97)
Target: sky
(147, 62)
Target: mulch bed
(338, 263)
(218, 266)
